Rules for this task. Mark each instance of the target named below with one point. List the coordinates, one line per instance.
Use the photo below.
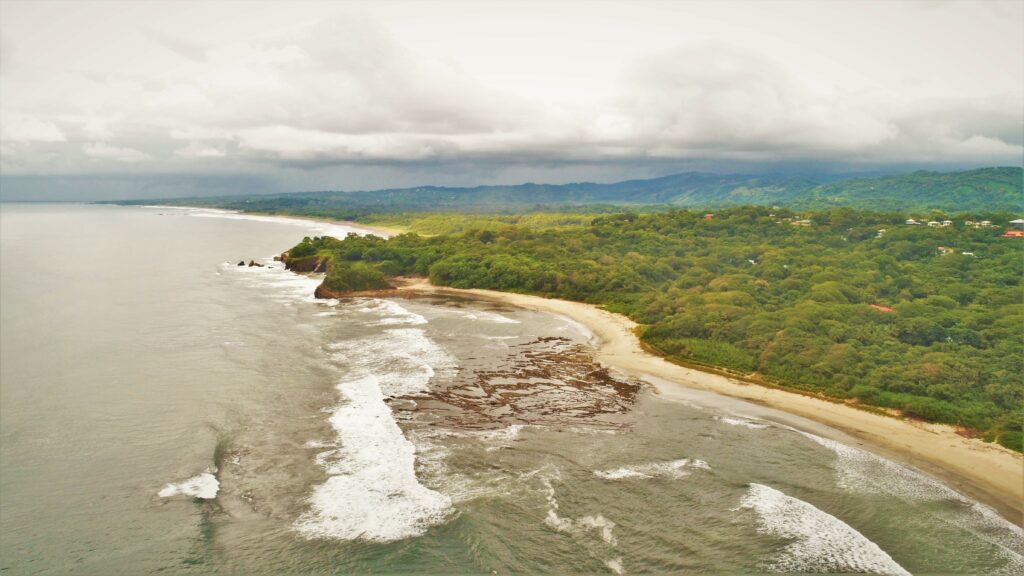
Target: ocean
(165, 410)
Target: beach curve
(990, 473)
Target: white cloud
(200, 150)
(105, 151)
(215, 85)
(21, 128)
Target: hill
(986, 189)
(982, 189)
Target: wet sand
(987, 472)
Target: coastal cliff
(313, 263)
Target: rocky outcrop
(324, 293)
(305, 264)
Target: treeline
(434, 224)
(928, 321)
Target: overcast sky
(165, 99)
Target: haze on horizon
(133, 100)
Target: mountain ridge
(984, 189)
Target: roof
(1014, 234)
(882, 308)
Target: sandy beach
(987, 472)
(381, 231)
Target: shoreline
(364, 228)
(983, 471)
(381, 231)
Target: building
(1013, 234)
(946, 223)
(912, 222)
(881, 308)
(1018, 223)
(934, 224)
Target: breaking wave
(820, 542)
(393, 313)
(373, 492)
(491, 317)
(744, 422)
(204, 486)
(862, 472)
(673, 469)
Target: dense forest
(988, 189)
(853, 305)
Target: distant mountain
(982, 189)
(986, 189)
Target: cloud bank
(325, 96)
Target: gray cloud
(344, 97)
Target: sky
(150, 99)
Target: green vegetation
(354, 277)
(434, 224)
(987, 189)
(781, 297)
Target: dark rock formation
(305, 264)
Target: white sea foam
(820, 542)
(603, 526)
(615, 565)
(372, 492)
(431, 461)
(393, 313)
(204, 486)
(502, 438)
(574, 326)
(491, 317)
(279, 284)
(745, 422)
(862, 472)
(673, 469)
(403, 359)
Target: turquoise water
(165, 410)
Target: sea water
(163, 409)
